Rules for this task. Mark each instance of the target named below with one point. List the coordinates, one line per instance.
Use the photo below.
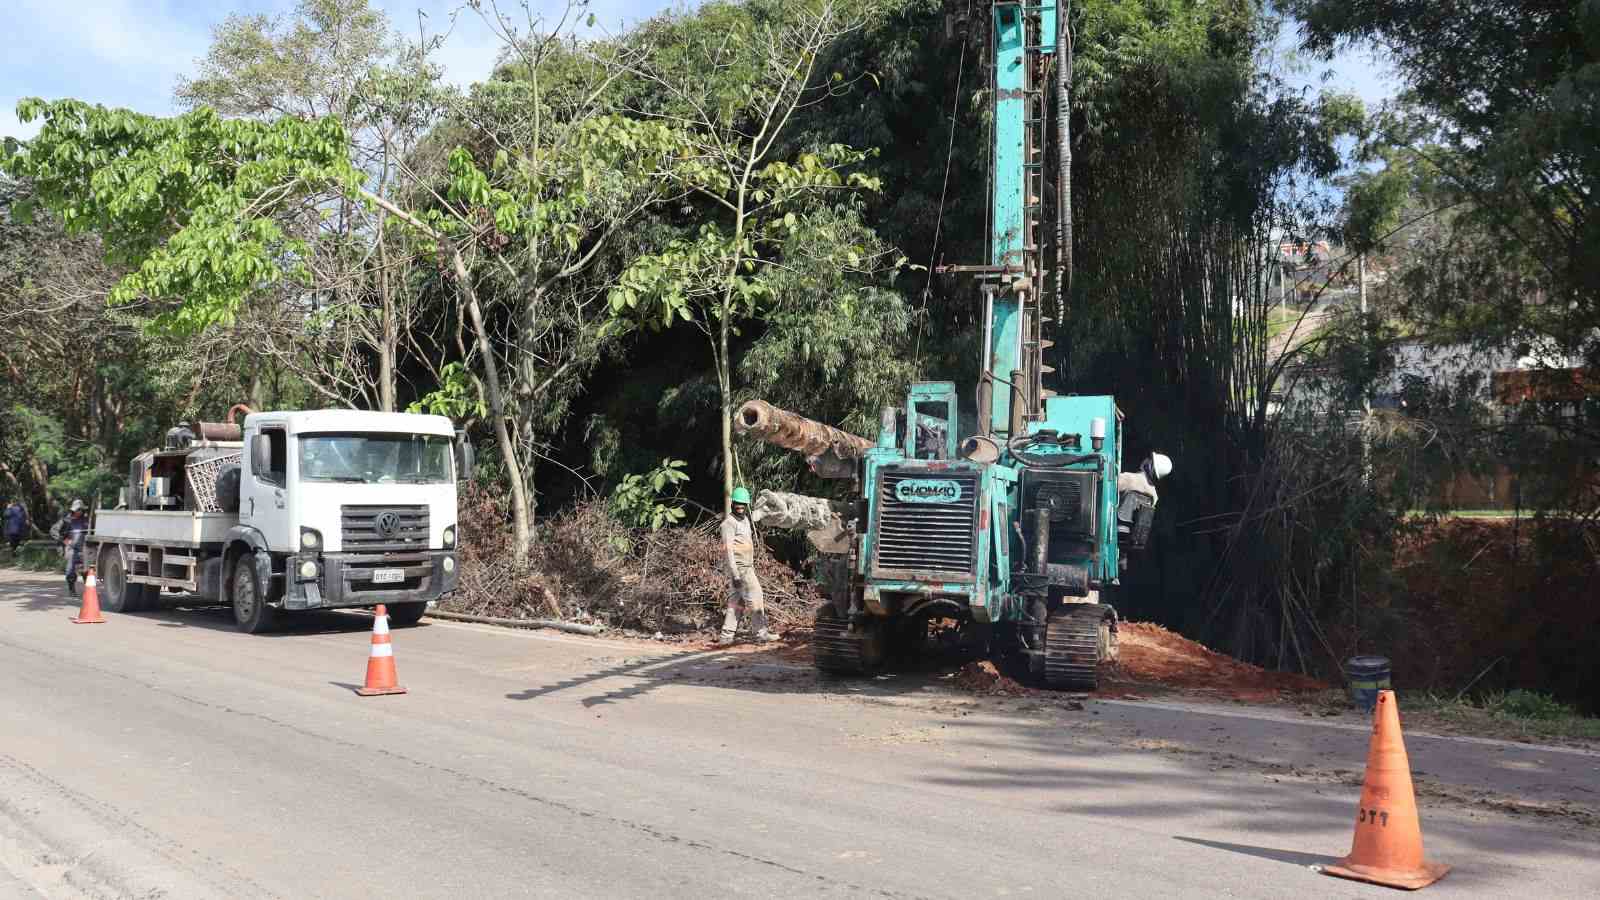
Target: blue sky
(131, 52)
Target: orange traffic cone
(381, 678)
(1387, 848)
(89, 612)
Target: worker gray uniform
(739, 554)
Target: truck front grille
(384, 529)
(928, 537)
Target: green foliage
(35, 558)
(1525, 704)
(190, 202)
(456, 397)
(78, 469)
(1498, 126)
(649, 500)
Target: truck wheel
(250, 609)
(116, 594)
(405, 615)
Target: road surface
(164, 755)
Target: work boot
(730, 626)
(758, 621)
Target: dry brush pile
(588, 567)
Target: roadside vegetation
(593, 255)
(34, 557)
(1518, 715)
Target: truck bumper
(347, 579)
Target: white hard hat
(1158, 466)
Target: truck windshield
(375, 458)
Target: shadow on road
(774, 669)
(1283, 856)
(1074, 766)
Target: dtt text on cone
(381, 678)
(89, 611)
(1387, 848)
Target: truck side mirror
(260, 455)
(466, 458)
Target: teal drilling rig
(1008, 536)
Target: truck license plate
(388, 576)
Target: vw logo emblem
(388, 523)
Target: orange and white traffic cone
(89, 612)
(1387, 848)
(381, 678)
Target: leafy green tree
(734, 106)
(347, 327)
(1499, 118)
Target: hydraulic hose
(1064, 156)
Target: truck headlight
(308, 569)
(450, 537)
(310, 539)
(449, 564)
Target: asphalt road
(164, 755)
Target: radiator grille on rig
(927, 537)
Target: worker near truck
(16, 525)
(739, 554)
(71, 531)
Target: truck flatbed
(171, 527)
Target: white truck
(291, 511)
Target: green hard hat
(741, 495)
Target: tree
(1486, 179)
(1499, 118)
(746, 79)
(81, 387)
(336, 58)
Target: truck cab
(350, 509)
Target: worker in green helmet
(739, 553)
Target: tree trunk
(521, 524)
(388, 344)
(725, 382)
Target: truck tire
(116, 594)
(405, 615)
(250, 610)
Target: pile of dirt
(586, 566)
(1151, 658)
(982, 677)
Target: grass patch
(33, 557)
(1517, 714)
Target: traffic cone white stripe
(382, 649)
(380, 625)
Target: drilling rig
(1008, 536)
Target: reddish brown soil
(982, 677)
(1153, 659)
